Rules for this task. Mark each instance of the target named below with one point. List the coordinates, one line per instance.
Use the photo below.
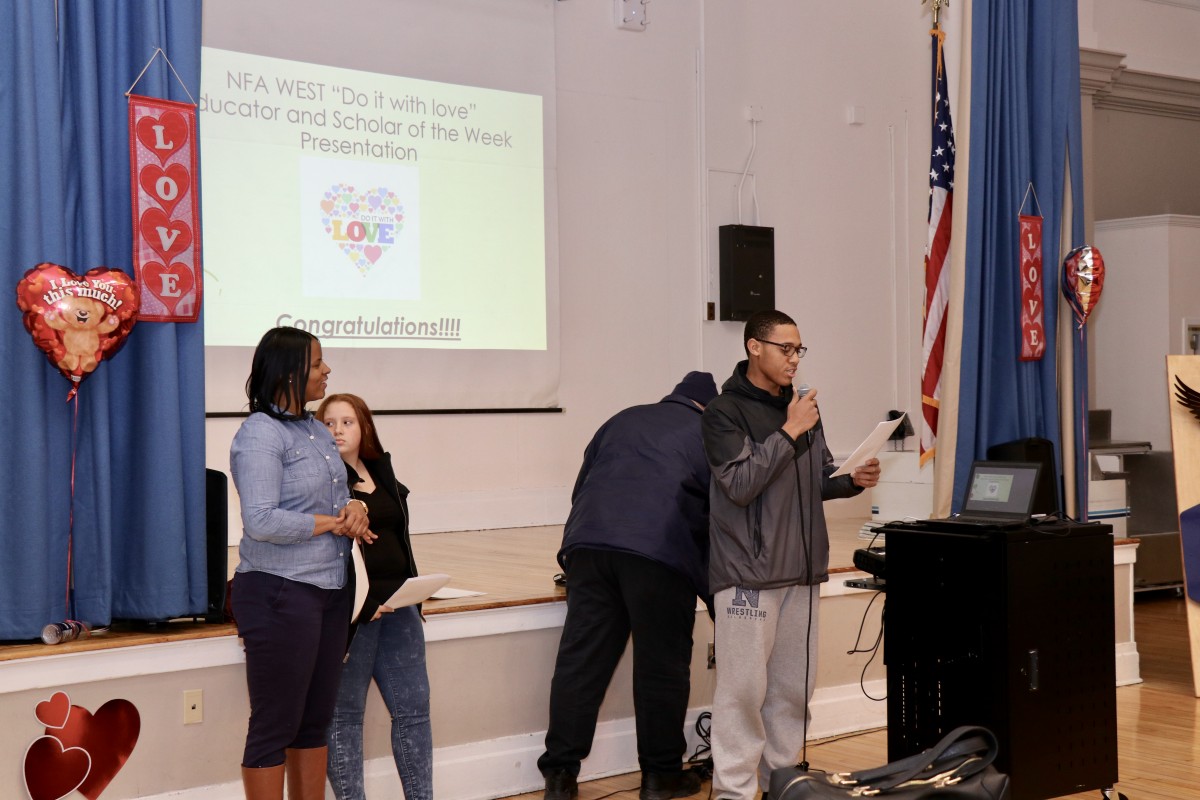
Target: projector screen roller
(389, 188)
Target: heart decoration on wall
(365, 224)
(53, 771)
(80, 751)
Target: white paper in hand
(870, 446)
(361, 582)
(417, 590)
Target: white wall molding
(1153, 221)
(1193, 5)
(508, 766)
(1104, 76)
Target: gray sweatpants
(761, 696)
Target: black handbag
(959, 767)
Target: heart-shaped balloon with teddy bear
(77, 320)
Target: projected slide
(371, 210)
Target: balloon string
(1082, 439)
(71, 508)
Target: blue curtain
(138, 513)
(1025, 126)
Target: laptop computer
(999, 494)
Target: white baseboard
(1129, 664)
(508, 766)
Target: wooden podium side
(1185, 441)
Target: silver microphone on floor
(66, 631)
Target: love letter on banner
(1033, 329)
(166, 230)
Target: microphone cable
(805, 536)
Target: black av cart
(1011, 629)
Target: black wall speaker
(216, 525)
(747, 255)
(1037, 451)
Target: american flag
(937, 275)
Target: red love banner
(1033, 326)
(166, 217)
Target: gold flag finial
(937, 7)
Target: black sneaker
(668, 785)
(560, 785)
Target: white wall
(1151, 289)
(1156, 35)
(650, 136)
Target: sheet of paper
(418, 589)
(449, 593)
(870, 446)
(361, 582)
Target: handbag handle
(967, 746)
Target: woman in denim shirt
(290, 594)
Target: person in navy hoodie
(635, 552)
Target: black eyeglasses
(788, 349)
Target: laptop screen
(1001, 488)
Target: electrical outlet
(710, 311)
(712, 656)
(754, 113)
(1191, 340)
(193, 706)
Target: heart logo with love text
(363, 224)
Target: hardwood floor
(1158, 727)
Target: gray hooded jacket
(766, 520)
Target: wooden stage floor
(511, 566)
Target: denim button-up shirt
(286, 471)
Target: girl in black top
(389, 645)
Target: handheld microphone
(800, 391)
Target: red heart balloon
(77, 321)
(1083, 280)
(108, 736)
(163, 135)
(165, 237)
(166, 186)
(53, 771)
(169, 284)
(53, 712)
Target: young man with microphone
(768, 553)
